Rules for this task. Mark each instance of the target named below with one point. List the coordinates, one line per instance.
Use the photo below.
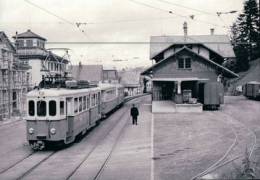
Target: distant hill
(253, 74)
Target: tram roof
(60, 92)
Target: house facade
(14, 80)
(94, 73)
(184, 62)
(31, 50)
(132, 82)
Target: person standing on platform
(134, 114)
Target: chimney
(212, 31)
(185, 29)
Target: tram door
(70, 115)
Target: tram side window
(88, 102)
(75, 105)
(52, 108)
(92, 100)
(84, 103)
(62, 108)
(80, 104)
(41, 108)
(31, 108)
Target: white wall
(35, 72)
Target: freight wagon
(251, 90)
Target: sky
(113, 21)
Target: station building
(185, 62)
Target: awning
(179, 79)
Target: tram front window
(52, 108)
(31, 108)
(41, 108)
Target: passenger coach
(61, 114)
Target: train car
(59, 115)
(251, 90)
(120, 94)
(211, 95)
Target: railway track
(18, 166)
(224, 160)
(112, 148)
(23, 168)
(94, 148)
(11, 166)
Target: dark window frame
(31, 111)
(62, 107)
(41, 108)
(52, 108)
(184, 63)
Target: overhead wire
(186, 7)
(176, 14)
(57, 16)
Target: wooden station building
(185, 62)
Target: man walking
(134, 114)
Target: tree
(245, 35)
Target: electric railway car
(251, 90)
(58, 115)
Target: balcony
(32, 52)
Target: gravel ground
(187, 144)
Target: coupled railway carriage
(251, 90)
(58, 115)
(112, 96)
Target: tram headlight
(53, 131)
(30, 130)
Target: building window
(34, 42)
(20, 43)
(184, 63)
(181, 63)
(41, 108)
(188, 63)
(62, 108)
(52, 108)
(31, 108)
(29, 43)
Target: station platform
(132, 157)
(171, 107)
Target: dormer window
(184, 63)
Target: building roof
(130, 78)
(189, 50)
(5, 39)
(92, 73)
(218, 43)
(28, 34)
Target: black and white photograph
(129, 89)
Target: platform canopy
(180, 79)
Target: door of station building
(167, 90)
